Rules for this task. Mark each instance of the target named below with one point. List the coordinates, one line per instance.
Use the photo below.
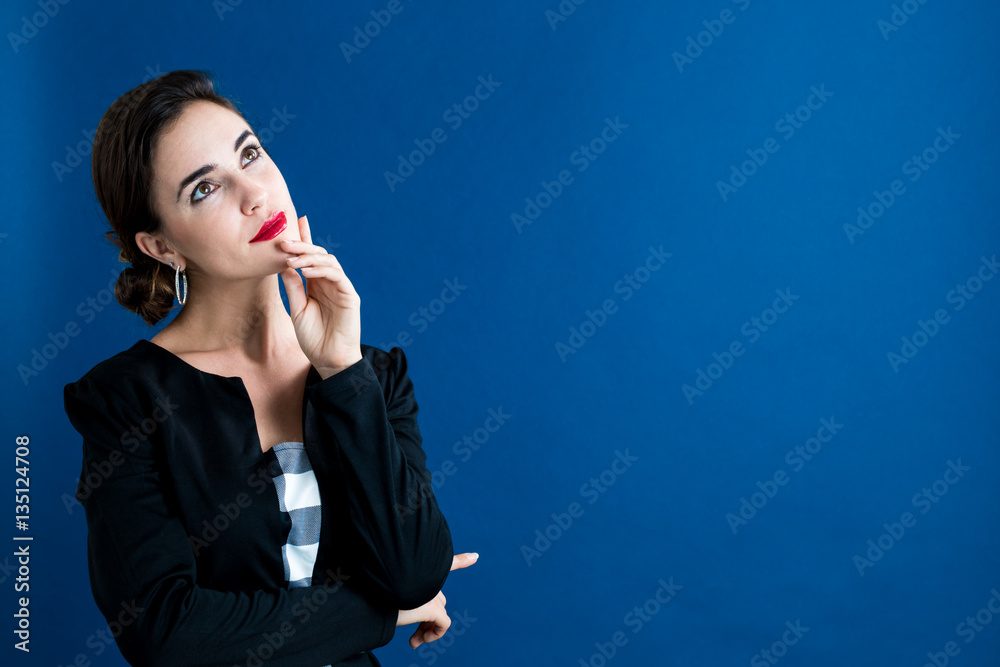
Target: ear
(154, 246)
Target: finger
(463, 560)
(417, 638)
(436, 630)
(295, 290)
(313, 259)
(304, 233)
(429, 631)
(301, 261)
(302, 247)
(336, 276)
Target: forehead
(204, 132)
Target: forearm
(140, 561)
(405, 546)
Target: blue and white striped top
(298, 497)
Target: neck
(246, 319)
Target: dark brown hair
(121, 165)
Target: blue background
(340, 123)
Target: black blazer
(184, 527)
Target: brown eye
(250, 154)
(201, 191)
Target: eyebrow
(239, 139)
(208, 168)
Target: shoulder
(135, 362)
(125, 379)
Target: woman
(254, 483)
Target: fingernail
(474, 556)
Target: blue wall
(728, 266)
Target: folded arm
(405, 545)
(143, 570)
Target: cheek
(277, 187)
(207, 234)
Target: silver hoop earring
(178, 276)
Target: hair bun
(142, 291)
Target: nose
(254, 196)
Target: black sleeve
(143, 573)
(405, 545)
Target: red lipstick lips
(271, 228)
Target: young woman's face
(214, 189)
